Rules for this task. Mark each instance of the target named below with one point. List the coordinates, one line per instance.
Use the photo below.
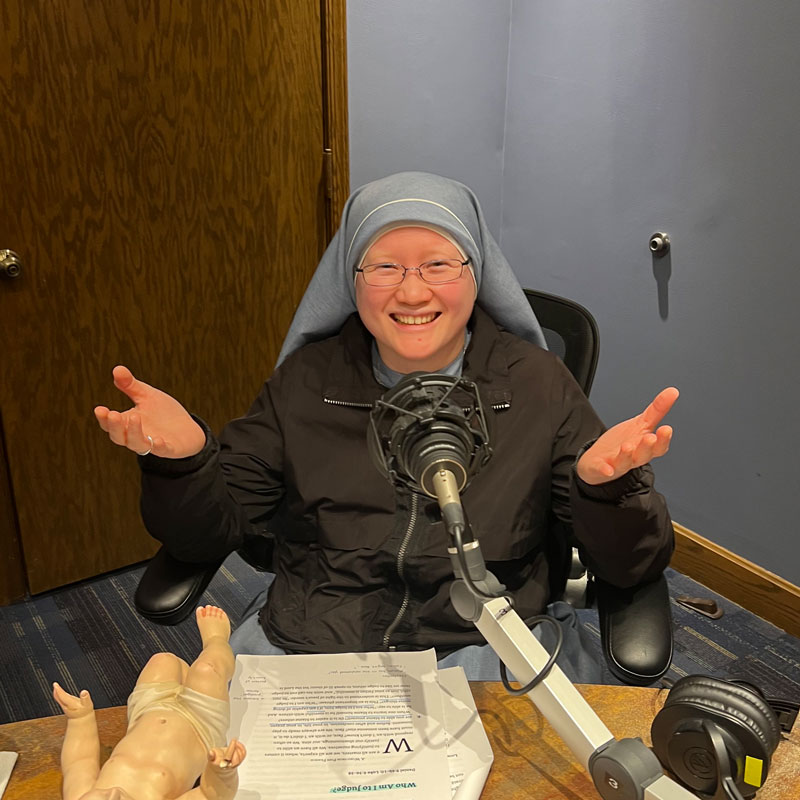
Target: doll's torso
(160, 758)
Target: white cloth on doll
(209, 716)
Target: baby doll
(178, 717)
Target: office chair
(635, 623)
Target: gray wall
(620, 118)
(426, 93)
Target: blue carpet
(89, 636)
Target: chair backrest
(571, 333)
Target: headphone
(716, 736)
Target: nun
(413, 281)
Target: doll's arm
(220, 779)
(80, 753)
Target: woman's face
(417, 325)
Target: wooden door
(163, 185)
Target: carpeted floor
(89, 636)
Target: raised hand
(228, 758)
(629, 444)
(157, 423)
(73, 707)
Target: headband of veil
(409, 198)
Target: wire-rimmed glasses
(440, 270)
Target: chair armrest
(170, 589)
(636, 630)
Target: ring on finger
(149, 449)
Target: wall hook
(659, 244)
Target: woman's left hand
(629, 444)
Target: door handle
(10, 264)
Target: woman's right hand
(155, 416)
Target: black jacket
(362, 567)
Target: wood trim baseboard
(759, 591)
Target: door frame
(334, 107)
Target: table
(530, 760)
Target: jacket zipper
(495, 406)
(406, 539)
(400, 567)
(348, 403)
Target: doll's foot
(212, 622)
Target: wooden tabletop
(530, 759)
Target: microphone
(429, 433)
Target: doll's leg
(213, 668)
(163, 668)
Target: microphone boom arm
(624, 768)
(419, 438)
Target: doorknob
(10, 264)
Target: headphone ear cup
(747, 704)
(689, 754)
(748, 726)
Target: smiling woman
(418, 200)
(413, 280)
(417, 324)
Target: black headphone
(716, 736)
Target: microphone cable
(455, 532)
(548, 665)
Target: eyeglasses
(442, 270)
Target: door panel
(167, 200)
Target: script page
(469, 754)
(317, 725)
(7, 761)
